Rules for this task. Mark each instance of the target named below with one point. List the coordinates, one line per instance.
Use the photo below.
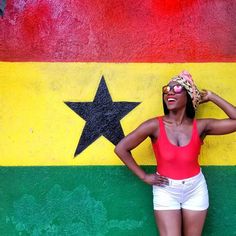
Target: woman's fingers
(156, 179)
(204, 96)
(161, 180)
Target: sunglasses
(177, 88)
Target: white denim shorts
(191, 194)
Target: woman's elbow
(117, 148)
(121, 148)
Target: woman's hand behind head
(205, 95)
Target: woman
(180, 195)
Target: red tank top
(177, 162)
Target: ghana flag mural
(75, 77)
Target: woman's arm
(124, 147)
(216, 126)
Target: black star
(102, 117)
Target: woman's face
(175, 96)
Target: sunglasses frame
(167, 88)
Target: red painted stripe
(119, 31)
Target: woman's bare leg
(193, 222)
(168, 222)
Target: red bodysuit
(177, 162)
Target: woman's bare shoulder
(152, 126)
(152, 122)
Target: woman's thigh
(168, 222)
(193, 222)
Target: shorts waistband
(185, 181)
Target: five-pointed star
(102, 117)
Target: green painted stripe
(98, 201)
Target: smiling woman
(181, 86)
(138, 46)
(179, 187)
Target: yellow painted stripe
(37, 128)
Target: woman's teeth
(171, 100)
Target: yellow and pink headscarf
(185, 79)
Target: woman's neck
(177, 117)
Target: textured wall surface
(75, 76)
(39, 126)
(98, 201)
(114, 30)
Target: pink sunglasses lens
(178, 88)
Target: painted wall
(75, 77)
(119, 31)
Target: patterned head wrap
(185, 79)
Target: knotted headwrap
(185, 79)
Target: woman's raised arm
(217, 126)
